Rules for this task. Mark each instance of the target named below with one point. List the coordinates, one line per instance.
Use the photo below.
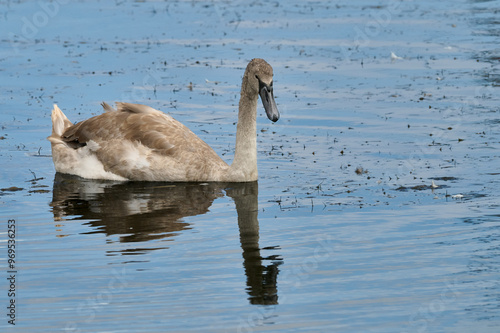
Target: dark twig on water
(34, 177)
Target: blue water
(343, 231)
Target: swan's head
(259, 75)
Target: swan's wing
(132, 122)
(136, 108)
(107, 107)
(138, 137)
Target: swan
(136, 142)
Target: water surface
(343, 232)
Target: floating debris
(39, 191)
(11, 189)
(433, 185)
(445, 179)
(394, 57)
(214, 82)
(457, 196)
(359, 171)
(415, 188)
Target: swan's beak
(267, 96)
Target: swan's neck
(244, 166)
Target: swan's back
(135, 142)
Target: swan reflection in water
(145, 211)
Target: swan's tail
(59, 124)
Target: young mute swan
(137, 142)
